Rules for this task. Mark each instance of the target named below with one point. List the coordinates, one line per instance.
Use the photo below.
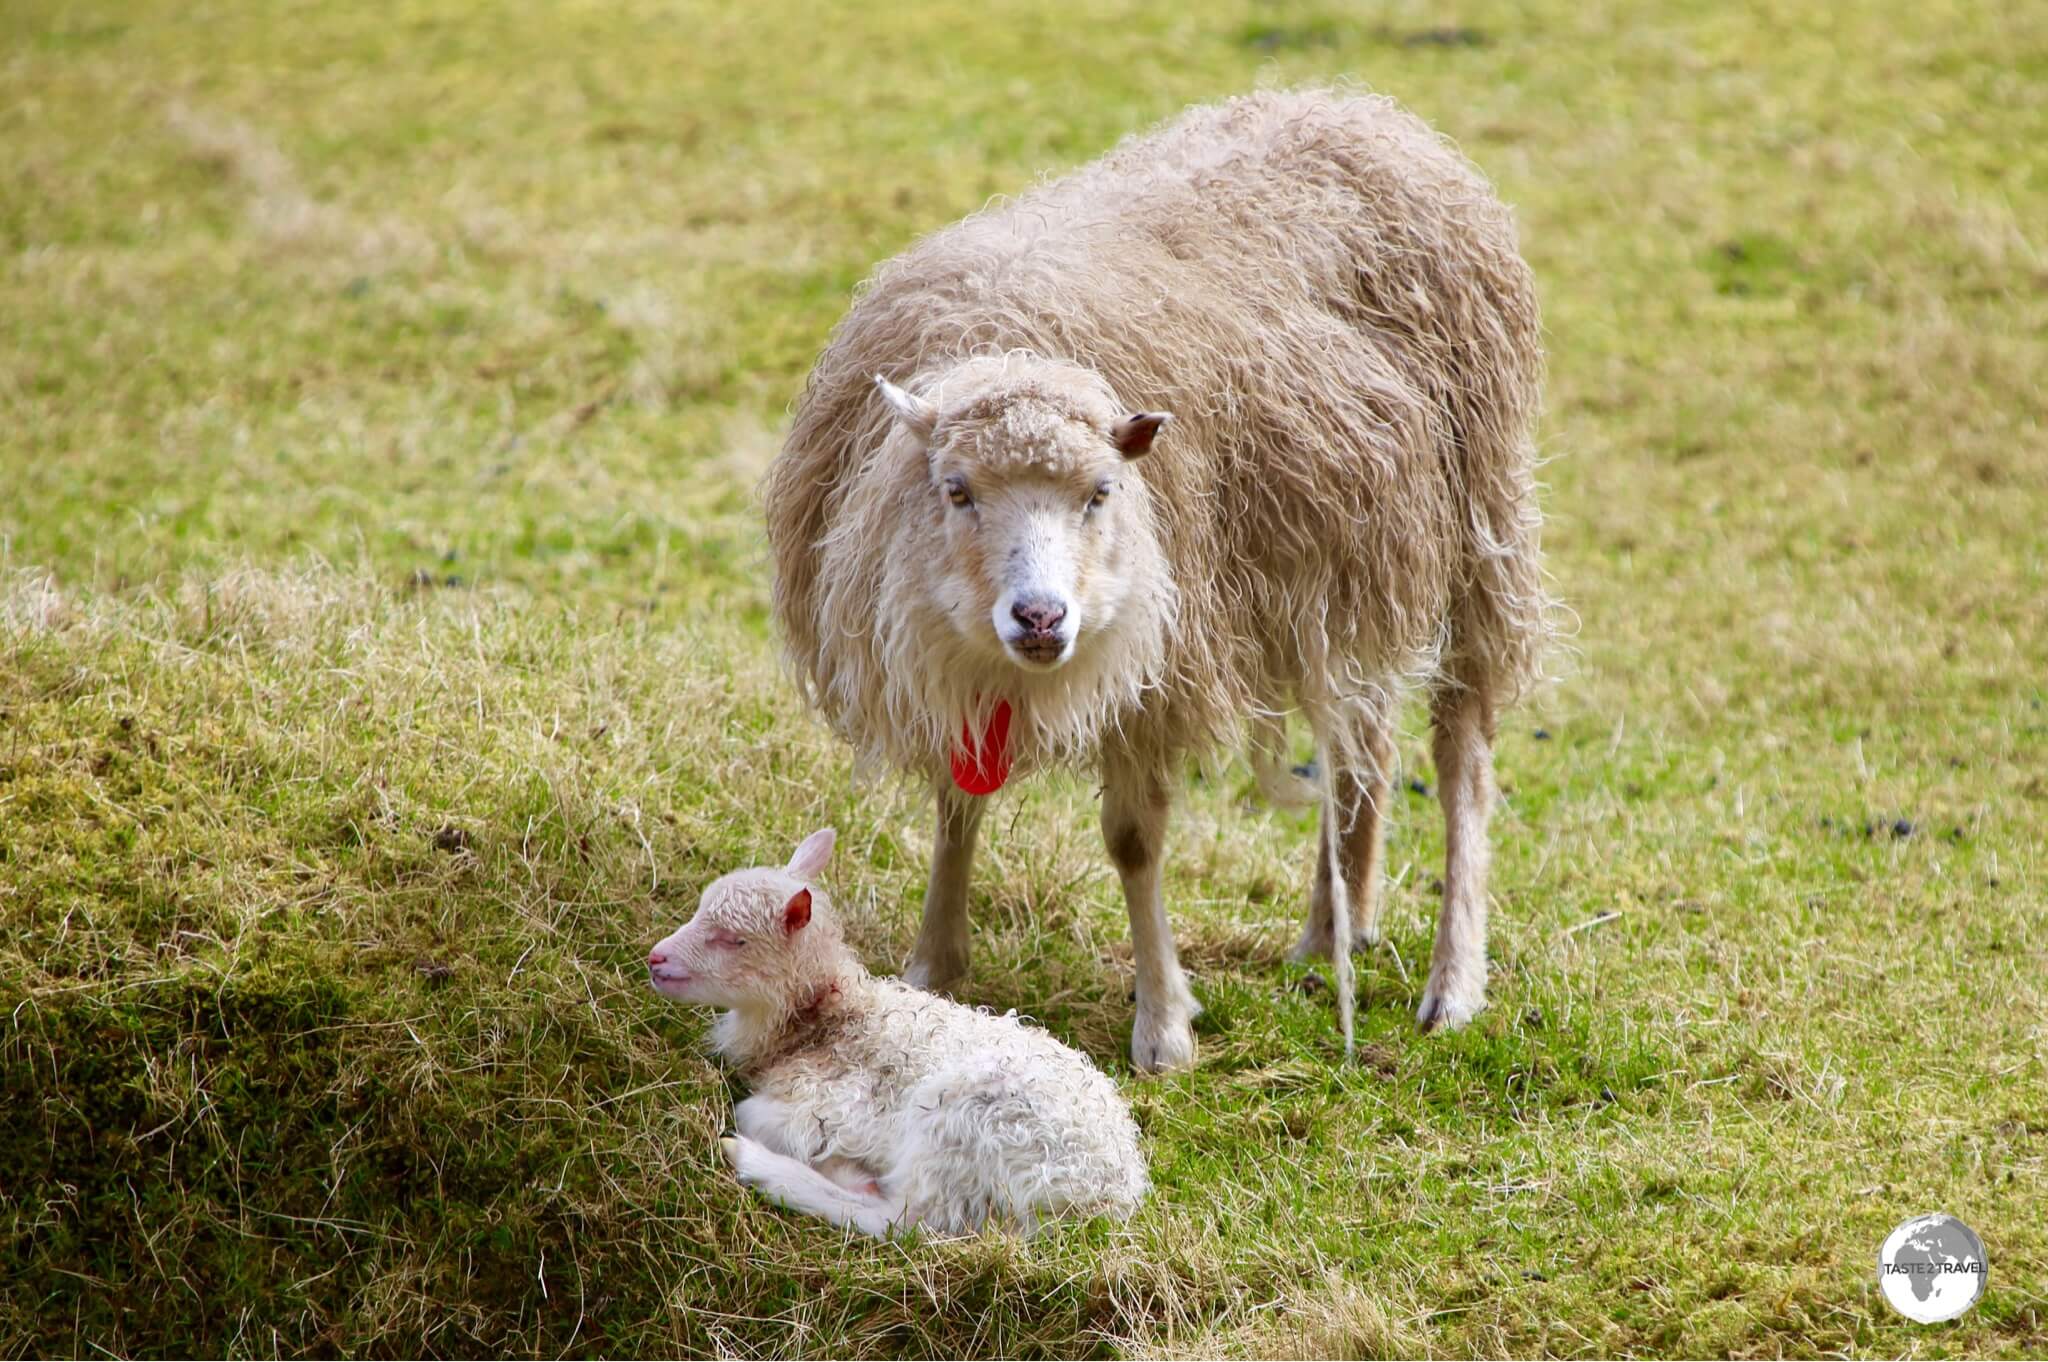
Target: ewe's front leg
(940, 957)
(1134, 807)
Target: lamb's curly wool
(1328, 299)
(880, 1106)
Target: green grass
(385, 662)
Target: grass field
(385, 663)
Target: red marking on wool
(980, 768)
(811, 1009)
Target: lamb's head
(762, 939)
(1047, 532)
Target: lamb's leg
(940, 957)
(780, 1128)
(801, 1187)
(1362, 790)
(1134, 808)
(850, 1174)
(1463, 716)
(771, 1122)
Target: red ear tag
(981, 768)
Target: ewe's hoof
(934, 977)
(1163, 1045)
(729, 1145)
(1446, 1008)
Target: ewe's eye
(956, 492)
(1101, 495)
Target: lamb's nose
(1039, 616)
(656, 958)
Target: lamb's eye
(1101, 495)
(957, 494)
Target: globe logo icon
(1931, 1268)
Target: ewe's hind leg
(1280, 780)
(1134, 808)
(1464, 720)
(1361, 850)
(801, 1187)
(940, 958)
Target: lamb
(1234, 423)
(876, 1105)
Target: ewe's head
(762, 938)
(1047, 528)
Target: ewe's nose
(1038, 614)
(657, 957)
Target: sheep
(876, 1105)
(1233, 423)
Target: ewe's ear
(917, 415)
(1133, 435)
(809, 861)
(796, 914)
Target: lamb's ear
(809, 861)
(1133, 435)
(796, 914)
(917, 415)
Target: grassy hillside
(384, 663)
